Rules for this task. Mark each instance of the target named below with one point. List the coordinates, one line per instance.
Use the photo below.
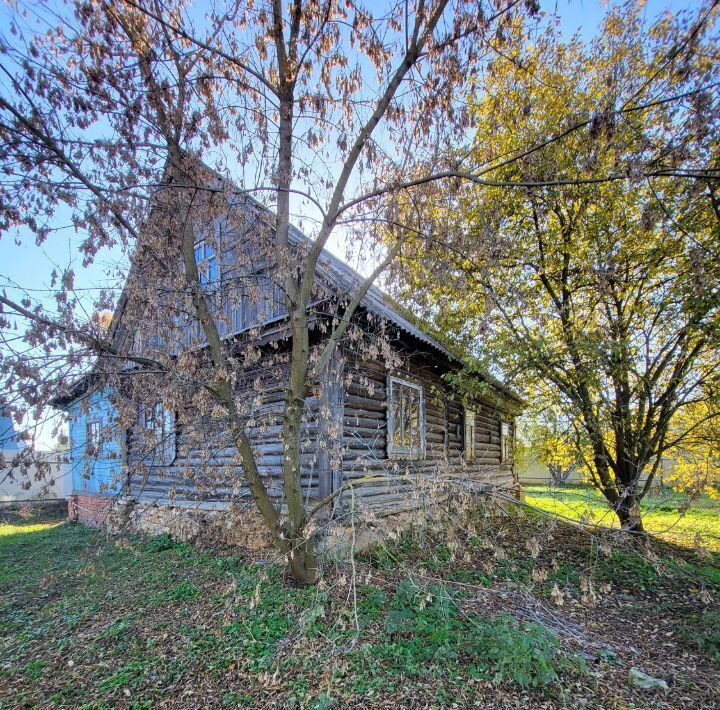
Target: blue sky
(30, 266)
(585, 16)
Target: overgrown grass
(90, 621)
(428, 632)
(437, 617)
(671, 516)
(619, 564)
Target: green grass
(16, 529)
(91, 621)
(672, 517)
(88, 620)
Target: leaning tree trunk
(302, 557)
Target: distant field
(671, 516)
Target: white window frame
(505, 441)
(165, 435)
(404, 452)
(470, 423)
(208, 264)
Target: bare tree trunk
(627, 474)
(302, 558)
(628, 512)
(221, 390)
(559, 474)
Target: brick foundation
(89, 510)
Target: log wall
(206, 466)
(344, 439)
(405, 483)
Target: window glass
(469, 444)
(396, 418)
(407, 414)
(160, 423)
(93, 437)
(414, 418)
(206, 260)
(505, 442)
(406, 421)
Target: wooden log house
(382, 415)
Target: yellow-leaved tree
(694, 462)
(596, 277)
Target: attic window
(406, 419)
(469, 441)
(159, 423)
(206, 260)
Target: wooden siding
(408, 483)
(207, 466)
(344, 438)
(101, 471)
(234, 311)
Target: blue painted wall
(101, 472)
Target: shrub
(427, 633)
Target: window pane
(168, 421)
(414, 418)
(93, 437)
(159, 423)
(505, 442)
(407, 416)
(469, 433)
(207, 263)
(212, 270)
(396, 414)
